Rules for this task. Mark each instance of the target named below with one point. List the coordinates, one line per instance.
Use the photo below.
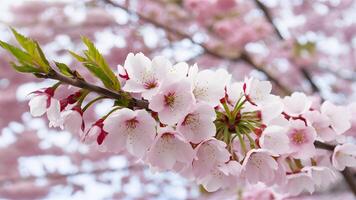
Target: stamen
(169, 99)
(132, 123)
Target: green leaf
(98, 72)
(33, 49)
(25, 68)
(20, 55)
(41, 54)
(64, 69)
(95, 58)
(78, 57)
(28, 44)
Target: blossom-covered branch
(198, 123)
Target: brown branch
(346, 173)
(325, 146)
(244, 57)
(93, 88)
(348, 176)
(268, 16)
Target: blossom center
(169, 99)
(298, 137)
(191, 120)
(150, 84)
(200, 91)
(167, 136)
(131, 123)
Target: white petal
(160, 67)
(275, 139)
(54, 113)
(296, 104)
(198, 125)
(38, 105)
(136, 66)
(116, 128)
(133, 86)
(72, 121)
(141, 139)
(339, 116)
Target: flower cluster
(220, 133)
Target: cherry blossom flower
(173, 102)
(177, 72)
(208, 85)
(301, 139)
(271, 109)
(210, 154)
(339, 116)
(42, 102)
(145, 76)
(133, 130)
(275, 139)
(223, 176)
(198, 125)
(259, 165)
(296, 104)
(39, 102)
(169, 149)
(344, 156)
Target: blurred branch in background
(269, 18)
(244, 57)
(348, 176)
(56, 176)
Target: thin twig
(325, 146)
(100, 90)
(348, 176)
